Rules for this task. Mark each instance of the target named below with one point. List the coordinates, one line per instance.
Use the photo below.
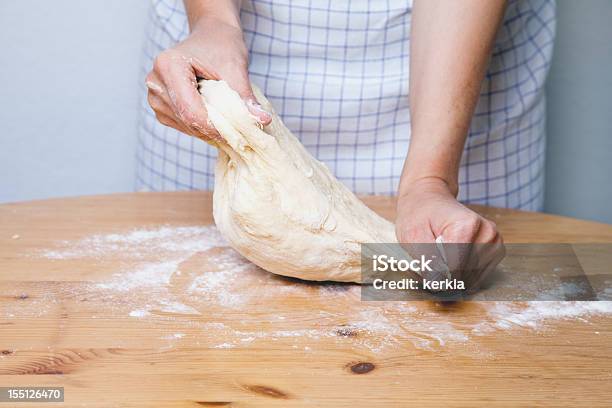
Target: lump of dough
(276, 204)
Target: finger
(154, 83)
(458, 238)
(495, 254)
(484, 258)
(421, 242)
(487, 232)
(483, 251)
(159, 105)
(166, 116)
(171, 122)
(164, 113)
(238, 79)
(493, 251)
(160, 100)
(180, 81)
(455, 255)
(464, 231)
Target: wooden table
(113, 298)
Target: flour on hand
(276, 204)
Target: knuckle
(474, 219)
(465, 229)
(469, 223)
(158, 63)
(162, 62)
(489, 226)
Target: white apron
(337, 73)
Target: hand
(429, 210)
(213, 50)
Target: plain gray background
(70, 95)
(579, 91)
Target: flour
(139, 244)
(177, 308)
(224, 346)
(149, 275)
(139, 313)
(188, 278)
(174, 336)
(507, 315)
(213, 287)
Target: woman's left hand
(430, 210)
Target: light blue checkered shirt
(337, 73)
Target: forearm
(225, 10)
(450, 46)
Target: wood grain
(58, 328)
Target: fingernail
(154, 87)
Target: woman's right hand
(213, 50)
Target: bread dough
(276, 204)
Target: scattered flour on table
(177, 307)
(174, 336)
(139, 244)
(139, 313)
(162, 278)
(224, 346)
(148, 275)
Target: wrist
(208, 22)
(426, 183)
(204, 15)
(431, 164)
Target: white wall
(69, 95)
(69, 100)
